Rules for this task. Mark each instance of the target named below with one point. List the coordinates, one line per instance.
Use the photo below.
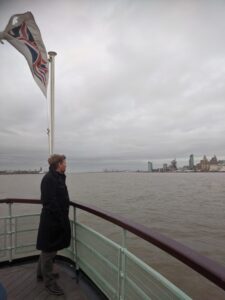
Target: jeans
(45, 267)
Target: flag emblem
(23, 33)
(39, 65)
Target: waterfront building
(221, 162)
(213, 160)
(150, 166)
(204, 165)
(165, 168)
(173, 166)
(191, 162)
(214, 166)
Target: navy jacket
(54, 231)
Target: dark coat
(54, 231)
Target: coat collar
(56, 174)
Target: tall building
(173, 166)
(191, 162)
(150, 166)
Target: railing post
(10, 232)
(5, 237)
(15, 239)
(75, 256)
(122, 267)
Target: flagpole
(51, 133)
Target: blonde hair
(55, 159)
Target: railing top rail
(203, 265)
(15, 200)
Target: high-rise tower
(150, 166)
(191, 162)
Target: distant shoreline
(22, 172)
(35, 172)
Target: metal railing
(116, 271)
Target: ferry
(94, 266)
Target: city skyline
(204, 164)
(74, 165)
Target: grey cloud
(135, 81)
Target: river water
(187, 207)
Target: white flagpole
(52, 102)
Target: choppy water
(186, 207)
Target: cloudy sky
(135, 81)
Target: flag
(23, 33)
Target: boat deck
(20, 283)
